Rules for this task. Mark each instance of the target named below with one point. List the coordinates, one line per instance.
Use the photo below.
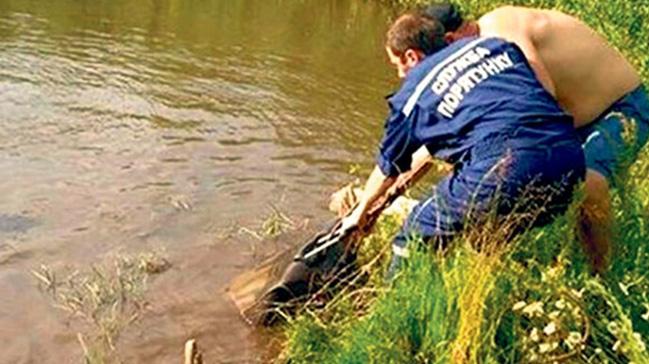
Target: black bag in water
(325, 261)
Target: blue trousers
(535, 182)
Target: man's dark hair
(446, 13)
(416, 31)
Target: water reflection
(10, 223)
(113, 111)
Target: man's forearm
(420, 157)
(376, 185)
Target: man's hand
(356, 219)
(377, 184)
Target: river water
(130, 126)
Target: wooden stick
(192, 354)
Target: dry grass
(108, 297)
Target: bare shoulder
(514, 21)
(505, 14)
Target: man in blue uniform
(477, 105)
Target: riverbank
(530, 300)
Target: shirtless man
(591, 80)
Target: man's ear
(412, 57)
(449, 37)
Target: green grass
(529, 301)
(623, 23)
(532, 300)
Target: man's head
(450, 16)
(411, 38)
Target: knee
(596, 186)
(597, 195)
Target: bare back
(587, 74)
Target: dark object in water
(327, 260)
(285, 281)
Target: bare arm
(420, 157)
(347, 197)
(377, 184)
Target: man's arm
(395, 155)
(347, 197)
(420, 157)
(377, 184)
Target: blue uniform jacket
(467, 102)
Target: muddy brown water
(128, 126)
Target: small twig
(84, 347)
(192, 354)
(254, 234)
